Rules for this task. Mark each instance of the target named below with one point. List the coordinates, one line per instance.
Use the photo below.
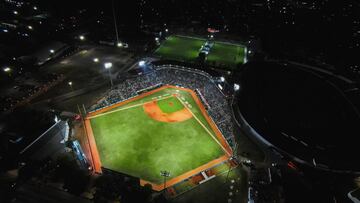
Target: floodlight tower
(165, 174)
(115, 23)
(108, 66)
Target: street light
(29, 27)
(119, 44)
(35, 8)
(165, 174)
(166, 30)
(222, 79)
(81, 37)
(96, 60)
(52, 51)
(70, 84)
(108, 66)
(15, 12)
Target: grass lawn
(227, 54)
(131, 142)
(187, 49)
(180, 48)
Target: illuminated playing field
(165, 129)
(187, 49)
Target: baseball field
(183, 48)
(164, 129)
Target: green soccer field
(227, 54)
(183, 48)
(180, 48)
(131, 142)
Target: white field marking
(206, 129)
(129, 107)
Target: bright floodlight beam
(108, 66)
(142, 63)
(236, 87)
(7, 69)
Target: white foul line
(136, 105)
(206, 129)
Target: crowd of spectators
(217, 105)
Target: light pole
(116, 30)
(70, 84)
(108, 66)
(233, 157)
(165, 174)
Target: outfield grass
(187, 49)
(131, 142)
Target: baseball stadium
(160, 123)
(184, 48)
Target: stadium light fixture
(95, 60)
(142, 63)
(82, 37)
(52, 51)
(107, 65)
(7, 69)
(165, 174)
(236, 87)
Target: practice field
(180, 48)
(225, 55)
(164, 129)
